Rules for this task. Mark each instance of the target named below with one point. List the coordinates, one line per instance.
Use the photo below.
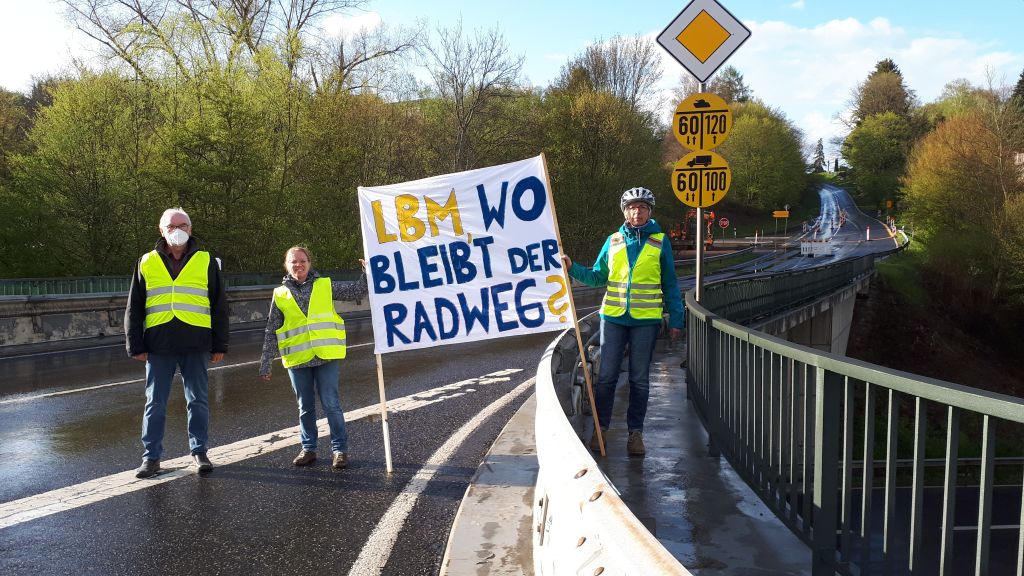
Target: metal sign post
(698, 285)
(701, 38)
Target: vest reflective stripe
(312, 344)
(636, 290)
(179, 290)
(318, 334)
(186, 307)
(185, 297)
(635, 285)
(308, 327)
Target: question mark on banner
(553, 304)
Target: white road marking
(378, 546)
(135, 381)
(71, 497)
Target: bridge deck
(696, 505)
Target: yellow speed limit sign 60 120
(702, 121)
(701, 179)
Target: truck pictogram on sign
(701, 179)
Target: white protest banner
(462, 257)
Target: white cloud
(811, 72)
(798, 5)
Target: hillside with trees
(263, 129)
(952, 173)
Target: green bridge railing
(879, 471)
(85, 285)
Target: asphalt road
(73, 417)
(69, 438)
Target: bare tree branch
(468, 73)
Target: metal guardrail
(581, 525)
(748, 298)
(84, 285)
(119, 284)
(796, 423)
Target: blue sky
(804, 56)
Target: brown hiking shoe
(593, 445)
(304, 458)
(340, 461)
(635, 444)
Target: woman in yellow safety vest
(304, 329)
(637, 267)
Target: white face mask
(177, 238)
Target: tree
(883, 91)
(185, 35)
(90, 182)
(598, 144)
(366, 61)
(964, 193)
(688, 85)
(469, 73)
(957, 97)
(1018, 91)
(886, 66)
(728, 83)
(1012, 245)
(766, 153)
(877, 151)
(627, 67)
(15, 120)
(227, 152)
(818, 160)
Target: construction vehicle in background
(683, 235)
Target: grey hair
(170, 212)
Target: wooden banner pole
(572, 306)
(384, 415)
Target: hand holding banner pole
(572, 306)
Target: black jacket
(176, 337)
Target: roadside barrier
(581, 525)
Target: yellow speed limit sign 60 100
(701, 179)
(702, 121)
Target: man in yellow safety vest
(637, 267)
(177, 317)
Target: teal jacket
(635, 239)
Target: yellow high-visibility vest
(637, 289)
(320, 333)
(186, 297)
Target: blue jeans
(160, 370)
(614, 338)
(307, 383)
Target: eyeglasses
(183, 227)
(639, 207)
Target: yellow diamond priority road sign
(703, 37)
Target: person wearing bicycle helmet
(636, 266)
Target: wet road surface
(72, 417)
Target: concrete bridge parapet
(822, 324)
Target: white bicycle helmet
(637, 194)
